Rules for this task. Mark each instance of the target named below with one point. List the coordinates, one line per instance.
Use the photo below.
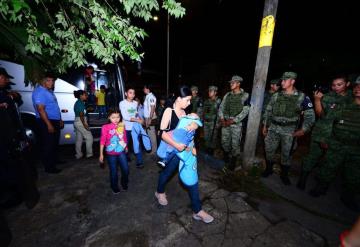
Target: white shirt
(128, 110)
(150, 100)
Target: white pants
(152, 134)
(82, 133)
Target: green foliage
(66, 32)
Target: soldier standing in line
(324, 105)
(211, 107)
(281, 120)
(344, 149)
(232, 111)
(274, 87)
(196, 101)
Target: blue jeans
(113, 161)
(193, 190)
(139, 160)
(102, 111)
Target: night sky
(219, 38)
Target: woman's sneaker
(161, 197)
(203, 216)
(161, 163)
(116, 191)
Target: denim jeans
(193, 190)
(113, 161)
(139, 160)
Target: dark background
(216, 39)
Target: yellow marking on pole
(267, 31)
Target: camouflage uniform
(233, 106)
(210, 122)
(268, 94)
(282, 114)
(196, 103)
(322, 129)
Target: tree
(62, 34)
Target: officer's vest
(233, 104)
(346, 127)
(211, 109)
(288, 106)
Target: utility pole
(167, 55)
(261, 70)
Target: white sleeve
(152, 100)
(124, 111)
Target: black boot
(268, 170)
(302, 180)
(232, 163)
(319, 189)
(226, 157)
(349, 201)
(284, 175)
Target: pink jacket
(113, 137)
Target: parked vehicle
(111, 78)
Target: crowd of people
(288, 114)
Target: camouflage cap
(288, 75)
(194, 88)
(213, 88)
(236, 78)
(275, 81)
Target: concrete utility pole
(167, 54)
(261, 70)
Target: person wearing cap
(281, 124)
(210, 111)
(196, 104)
(232, 111)
(48, 117)
(274, 87)
(343, 152)
(325, 104)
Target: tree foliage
(68, 31)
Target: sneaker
(203, 216)
(116, 191)
(161, 163)
(125, 188)
(161, 197)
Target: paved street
(77, 208)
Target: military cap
(5, 73)
(288, 75)
(236, 78)
(194, 88)
(274, 81)
(213, 88)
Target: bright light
(155, 18)
(67, 136)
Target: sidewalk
(77, 208)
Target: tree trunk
(261, 70)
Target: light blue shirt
(43, 96)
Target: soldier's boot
(268, 169)
(301, 184)
(319, 189)
(284, 175)
(349, 201)
(232, 163)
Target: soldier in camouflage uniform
(344, 150)
(211, 107)
(274, 87)
(281, 120)
(324, 105)
(196, 102)
(233, 109)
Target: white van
(64, 92)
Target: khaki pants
(152, 134)
(82, 133)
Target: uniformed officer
(196, 101)
(281, 120)
(275, 85)
(232, 111)
(344, 150)
(211, 107)
(324, 105)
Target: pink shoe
(203, 216)
(161, 197)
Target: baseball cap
(236, 78)
(288, 75)
(194, 88)
(275, 81)
(213, 88)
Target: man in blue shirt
(49, 121)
